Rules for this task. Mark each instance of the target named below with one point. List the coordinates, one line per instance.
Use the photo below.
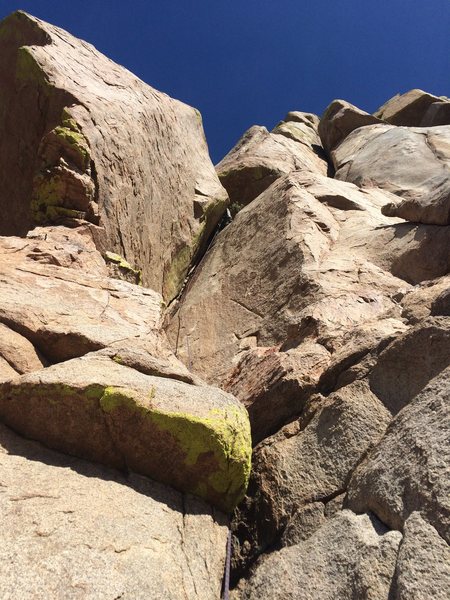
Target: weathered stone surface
(307, 462)
(438, 113)
(405, 367)
(260, 158)
(428, 298)
(324, 239)
(407, 109)
(71, 529)
(350, 557)
(412, 163)
(18, 352)
(66, 311)
(423, 565)
(408, 470)
(143, 174)
(339, 120)
(194, 438)
(274, 385)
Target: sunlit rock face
(166, 370)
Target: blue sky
(245, 62)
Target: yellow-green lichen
(76, 141)
(222, 435)
(124, 267)
(48, 192)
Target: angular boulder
(408, 470)
(412, 163)
(423, 564)
(70, 153)
(407, 109)
(196, 439)
(438, 113)
(261, 157)
(306, 462)
(347, 558)
(339, 120)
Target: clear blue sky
(245, 62)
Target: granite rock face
(320, 306)
(323, 307)
(72, 153)
(412, 163)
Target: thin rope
(226, 579)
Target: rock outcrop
(323, 307)
(320, 307)
(71, 152)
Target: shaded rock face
(415, 108)
(72, 153)
(321, 308)
(72, 529)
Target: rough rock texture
(307, 462)
(423, 566)
(407, 109)
(261, 157)
(412, 163)
(408, 470)
(71, 529)
(324, 239)
(339, 120)
(349, 558)
(321, 306)
(70, 151)
(194, 438)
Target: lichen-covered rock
(194, 438)
(73, 529)
(70, 153)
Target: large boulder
(71, 152)
(194, 438)
(261, 157)
(423, 564)
(438, 113)
(317, 239)
(72, 529)
(339, 120)
(412, 163)
(408, 470)
(407, 109)
(307, 462)
(351, 557)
